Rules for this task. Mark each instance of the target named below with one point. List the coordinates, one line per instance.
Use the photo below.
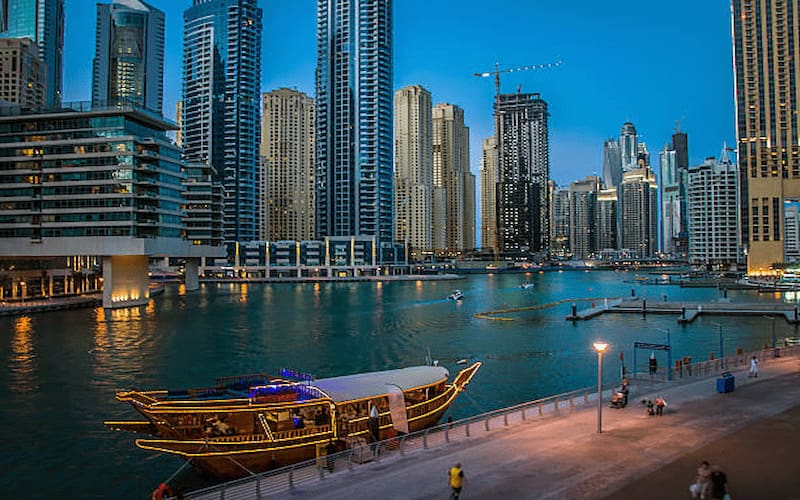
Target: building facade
(41, 21)
(129, 55)
(355, 178)
(523, 219)
(713, 213)
(639, 212)
(488, 194)
(450, 171)
(222, 103)
(287, 181)
(560, 220)
(671, 214)
(582, 217)
(766, 48)
(22, 74)
(413, 173)
(606, 221)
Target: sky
(653, 63)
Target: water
(63, 368)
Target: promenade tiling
(752, 433)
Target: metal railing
(287, 479)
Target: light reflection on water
(65, 366)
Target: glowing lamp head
(600, 346)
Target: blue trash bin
(726, 382)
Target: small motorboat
(456, 295)
(527, 285)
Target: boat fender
(163, 491)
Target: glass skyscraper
(221, 103)
(354, 119)
(129, 55)
(43, 22)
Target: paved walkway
(753, 433)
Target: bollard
(586, 397)
(425, 439)
(321, 472)
(446, 436)
(540, 408)
(402, 446)
(291, 478)
(222, 493)
(523, 414)
(350, 461)
(505, 419)
(467, 429)
(555, 405)
(571, 402)
(486, 424)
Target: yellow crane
(497, 71)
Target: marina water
(61, 369)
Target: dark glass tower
(523, 209)
(129, 55)
(221, 103)
(43, 22)
(355, 180)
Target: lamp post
(772, 319)
(600, 347)
(669, 353)
(719, 325)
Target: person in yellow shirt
(456, 480)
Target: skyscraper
(639, 212)
(22, 74)
(355, 180)
(413, 175)
(612, 163)
(287, 144)
(766, 51)
(713, 224)
(450, 166)
(221, 103)
(488, 193)
(129, 55)
(43, 22)
(670, 200)
(582, 216)
(606, 221)
(523, 218)
(560, 220)
(628, 144)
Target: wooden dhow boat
(256, 423)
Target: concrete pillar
(13, 290)
(125, 281)
(50, 285)
(191, 274)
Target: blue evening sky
(649, 62)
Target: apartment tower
(129, 55)
(523, 219)
(355, 178)
(41, 21)
(221, 104)
(450, 180)
(413, 175)
(287, 181)
(766, 51)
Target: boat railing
(281, 481)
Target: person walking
(718, 484)
(753, 367)
(456, 476)
(702, 483)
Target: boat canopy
(366, 385)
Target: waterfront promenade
(751, 433)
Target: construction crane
(497, 71)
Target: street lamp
(719, 325)
(600, 347)
(772, 319)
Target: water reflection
(23, 360)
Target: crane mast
(497, 71)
